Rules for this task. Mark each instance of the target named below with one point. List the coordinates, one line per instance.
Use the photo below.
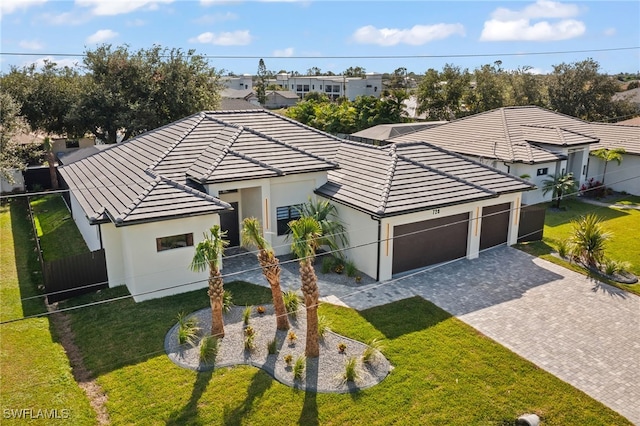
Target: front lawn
(445, 371)
(624, 225)
(35, 372)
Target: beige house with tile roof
(149, 200)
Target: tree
(305, 232)
(440, 95)
(581, 91)
(607, 155)
(559, 185)
(314, 71)
(334, 233)
(51, 162)
(252, 237)
(208, 255)
(11, 124)
(354, 72)
(398, 80)
(489, 91)
(588, 240)
(262, 82)
(526, 88)
(127, 93)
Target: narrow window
(543, 171)
(174, 241)
(286, 215)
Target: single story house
(522, 141)
(280, 99)
(148, 201)
(626, 175)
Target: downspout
(100, 236)
(508, 167)
(379, 247)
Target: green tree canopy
(441, 94)
(12, 154)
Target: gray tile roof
(617, 136)
(402, 178)
(511, 134)
(383, 132)
(149, 177)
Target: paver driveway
(584, 332)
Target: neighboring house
(148, 201)
(79, 154)
(242, 82)
(237, 105)
(16, 186)
(625, 176)
(243, 94)
(334, 86)
(383, 132)
(521, 141)
(411, 108)
(280, 99)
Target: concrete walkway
(583, 332)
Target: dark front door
(419, 244)
(495, 225)
(229, 222)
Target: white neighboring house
(334, 86)
(242, 82)
(522, 140)
(149, 200)
(623, 177)
(16, 186)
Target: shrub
(249, 338)
(227, 301)
(371, 352)
(298, 367)
(338, 268)
(593, 188)
(288, 358)
(292, 337)
(291, 302)
(246, 314)
(327, 264)
(351, 372)
(350, 269)
(261, 310)
(589, 239)
(563, 248)
(272, 346)
(187, 329)
(342, 347)
(610, 266)
(208, 349)
(324, 325)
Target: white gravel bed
(323, 374)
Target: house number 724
(436, 211)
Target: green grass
(445, 372)
(624, 226)
(35, 370)
(59, 235)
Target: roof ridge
(258, 162)
(503, 116)
(225, 149)
(136, 201)
(191, 190)
(297, 123)
(391, 170)
(177, 142)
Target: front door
(229, 222)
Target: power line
(453, 55)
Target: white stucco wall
(151, 274)
(90, 233)
(112, 244)
(623, 177)
(16, 185)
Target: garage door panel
(420, 244)
(495, 225)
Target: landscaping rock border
(323, 374)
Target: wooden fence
(531, 223)
(75, 275)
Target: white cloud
(610, 32)
(234, 38)
(118, 7)
(136, 23)
(101, 36)
(65, 18)
(284, 53)
(517, 25)
(207, 3)
(30, 44)
(216, 17)
(10, 6)
(65, 62)
(417, 35)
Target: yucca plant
(246, 314)
(208, 349)
(298, 367)
(327, 264)
(272, 346)
(324, 325)
(351, 372)
(227, 301)
(562, 248)
(350, 268)
(588, 241)
(374, 347)
(291, 302)
(187, 329)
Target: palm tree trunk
(311, 296)
(604, 173)
(51, 159)
(216, 292)
(271, 270)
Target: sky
(291, 35)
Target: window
(299, 88)
(286, 215)
(336, 88)
(72, 143)
(327, 88)
(543, 171)
(305, 88)
(174, 241)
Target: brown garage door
(495, 225)
(419, 244)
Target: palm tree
(208, 255)
(607, 155)
(252, 237)
(589, 239)
(560, 185)
(334, 234)
(305, 233)
(51, 161)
